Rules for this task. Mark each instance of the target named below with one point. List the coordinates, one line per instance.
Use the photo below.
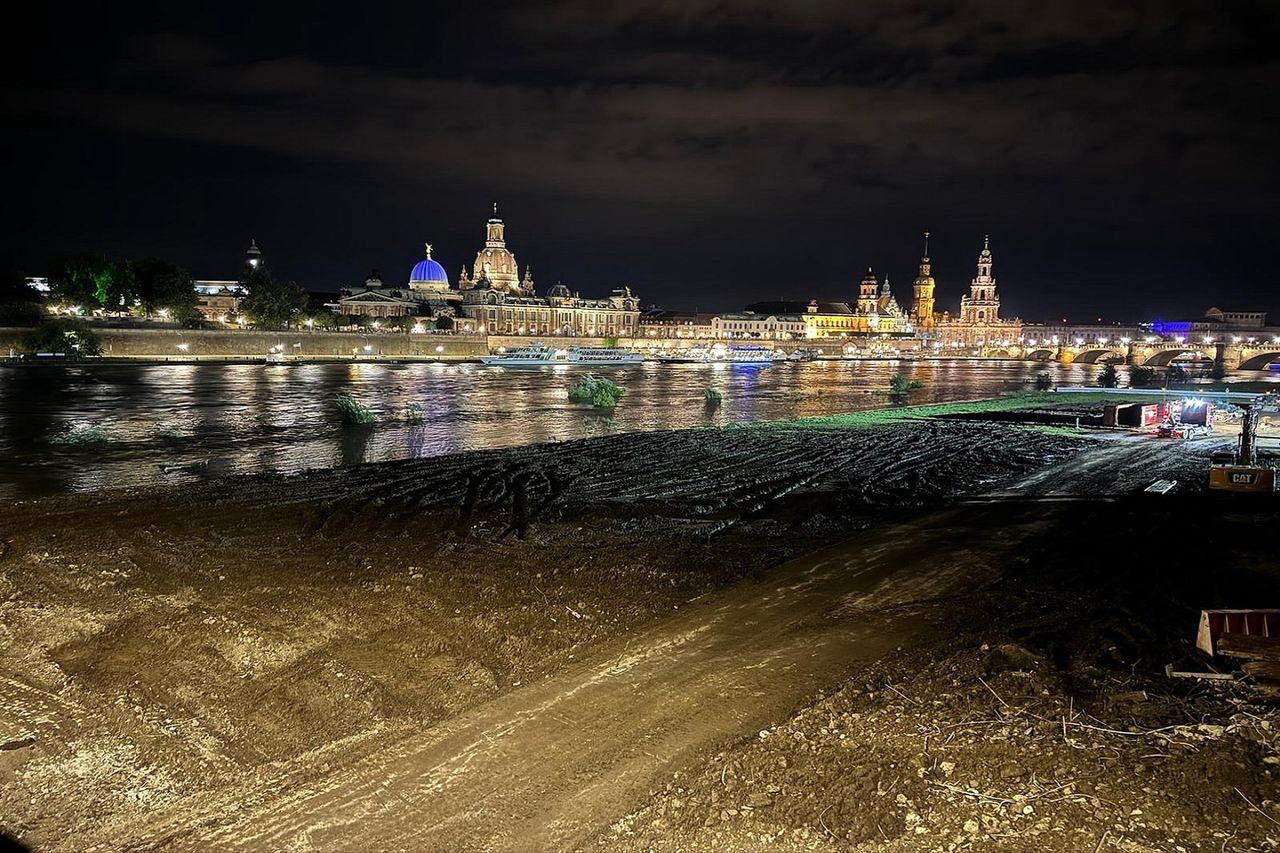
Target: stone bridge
(1161, 354)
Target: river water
(181, 422)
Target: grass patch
(877, 417)
(353, 412)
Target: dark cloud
(838, 129)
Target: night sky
(1123, 156)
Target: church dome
(429, 271)
(558, 290)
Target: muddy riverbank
(172, 655)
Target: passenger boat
(540, 355)
(721, 354)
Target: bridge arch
(1260, 361)
(1165, 357)
(1041, 354)
(1093, 356)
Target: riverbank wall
(253, 345)
(233, 345)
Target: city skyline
(707, 155)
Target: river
(174, 423)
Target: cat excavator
(1242, 470)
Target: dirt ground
(175, 656)
(1046, 722)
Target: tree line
(147, 287)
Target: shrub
(70, 336)
(1108, 377)
(1141, 377)
(901, 385)
(599, 392)
(353, 412)
(1176, 373)
(21, 313)
(713, 397)
(1044, 381)
(413, 413)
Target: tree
(20, 305)
(160, 286)
(271, 304)
(1176, 373)
(1141, 377)
(322, 319)
(71, 336)
(1108, 377)
(90, 281)
(444, 322)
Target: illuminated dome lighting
(428, 271)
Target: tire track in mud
(547, 766)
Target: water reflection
(176, 423)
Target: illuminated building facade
(979, 324)
(219, 300)
(427, 294)
(496, 264)
(559, 314)
(748, 324)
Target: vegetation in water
(1141, 377)
(901, 385)
(1044, 381)
(1108, 378)
(1176, 373)
(354, 413)
(413, 413)
(598, 391)
(81, 435)
(713, 397)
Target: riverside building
(493, 298)
(978, 324)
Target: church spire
(922, 291)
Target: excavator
(1242, 470)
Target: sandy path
(549, 765)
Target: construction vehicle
(1243, 472)
(1190, 419)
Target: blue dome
(428, 270)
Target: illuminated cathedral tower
(982, 305)
(868, 293)
(922, 291)
(495, 263)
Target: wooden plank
(1249, 646)
(1264, 670)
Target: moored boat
(721, 354)
(541, 355)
